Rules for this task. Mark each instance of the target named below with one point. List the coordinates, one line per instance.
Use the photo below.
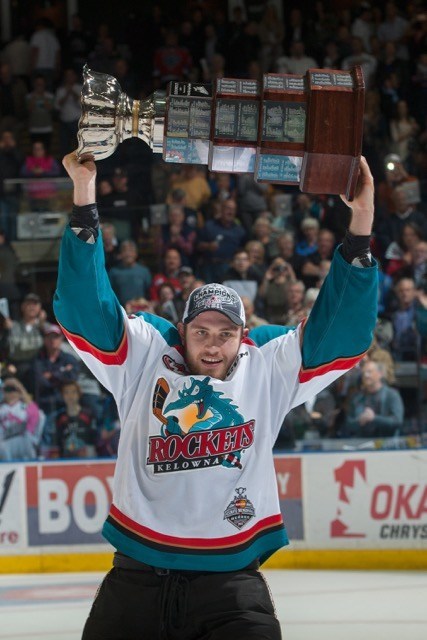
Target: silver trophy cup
(109, 116)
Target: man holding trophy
(195, 506)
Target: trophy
(302, 130)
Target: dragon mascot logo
(200, 429)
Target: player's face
(211, 344)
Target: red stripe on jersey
(106, 357)
(340, 364)
(194, 543)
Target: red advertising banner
(67, 503)
(289, 484)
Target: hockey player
(195, 506)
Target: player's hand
(81, 170)
(362, 205)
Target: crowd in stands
(169, 228)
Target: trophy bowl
(109, 116)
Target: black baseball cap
(215, 297)
(32, 297)
(188, 271)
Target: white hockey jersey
(194, 484)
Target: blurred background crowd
(169, 228)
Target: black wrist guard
(84, 222)
(356, 251)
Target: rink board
(355, 510)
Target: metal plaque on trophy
(187, 123)
(303, 130)
(234, 130)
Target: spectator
(376, 411)
(296, 29)
(405, 341)
(108, 439)
(274, 290)
(165, 306)
(401, 214)
(363, 26)
(25, 338)
(310, 298)
(67, 104)
(419, 265)
(305, 206)
(177, 234)
(222, 186)
(178, 197)
(252, 320)
(251, 198)
(403, 129)
(242, 276)
(171, 265)
(395, 176)
(310, 232)
(332, 59)
(171, 61)
(296, 310)
(77, 44)
(360, 57)
(218, 242)
(129, 279)
(21, 422)
(137, 305)
(111, 245)
(122, 201)
(75, 426)
(264, 232)
(188, 283)
(17, 54)
(394, 29)
(400, 254)
(194, 184)
(40, 165)
(45, 52)
(52, 367)
(242, 44)
(10, 166)
(391, 63)
(8, 273)
(286, 250)
(256, 252)
(380, 354)
(311, 420)
(40, 108)
(297, 62)
(12, 100)
(125, 77)
(105, 54)
(271, 34)
(312, 269)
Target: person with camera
(21, 422)
(274, 290)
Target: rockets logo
(346, 476)
(208, 430)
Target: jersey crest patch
(240, 510)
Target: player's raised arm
(340, 327)
(84, 302)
